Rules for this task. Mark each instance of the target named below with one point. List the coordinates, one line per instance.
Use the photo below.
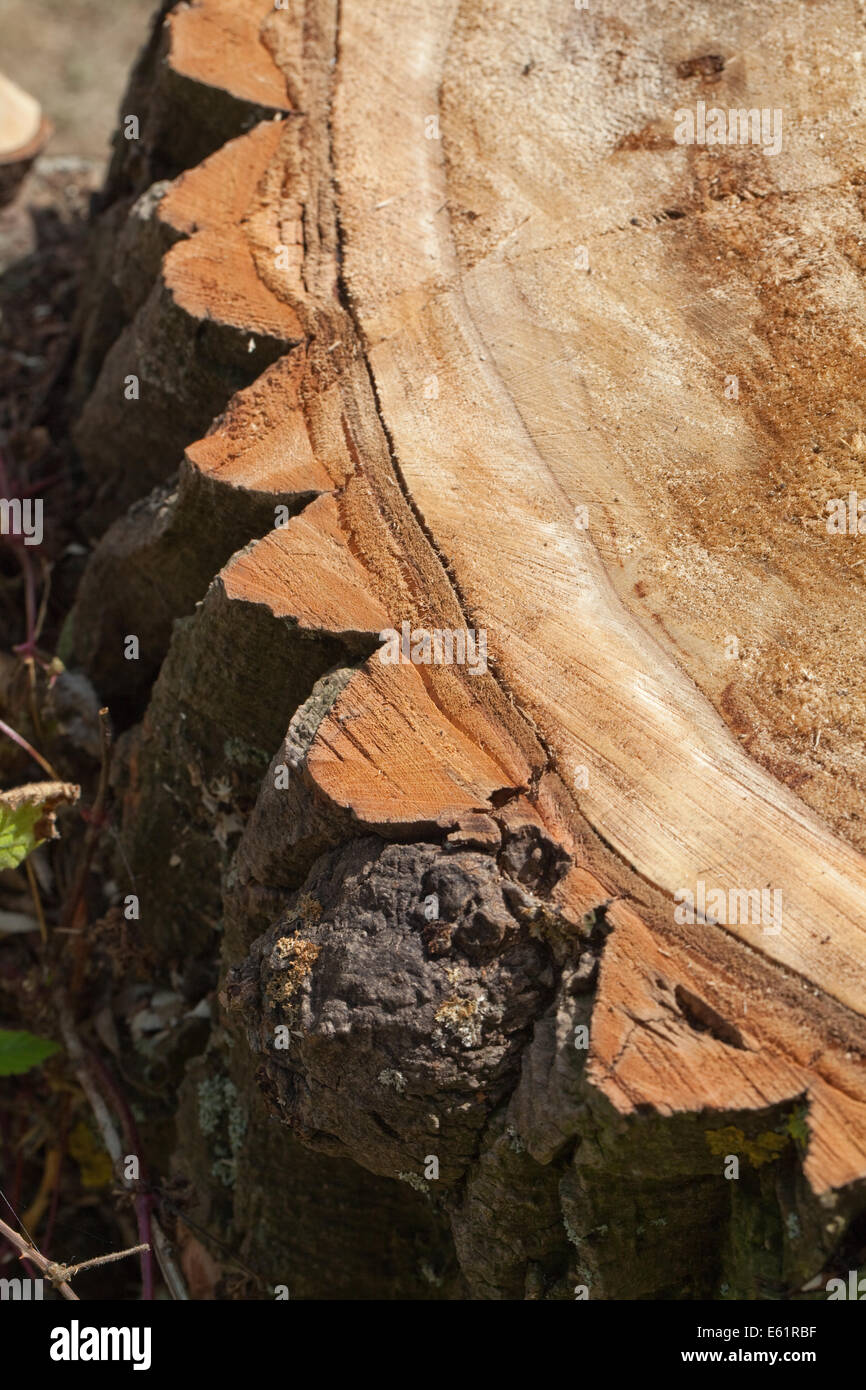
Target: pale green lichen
(515, 1143)
(223, 1121)
(389, 1077)
(463, 1019)
(414, 1181)
(570, 1231)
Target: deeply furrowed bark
(375, 385)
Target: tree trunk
(465, 438)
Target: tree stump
(467, 443)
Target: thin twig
(17, 1217)
(28, 1251)
(28, 748)
(69, 1270)
(30, 664)
(37, 901)
(168, 1264)
(78, 1058)
(59, 1274)
(111, 1139)
(143, 1200)
(43, 606)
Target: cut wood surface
(20, 118)
(23, 133)
(466, 318)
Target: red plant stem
(143, 1199)
(28, 748)
(29, 596)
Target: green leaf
(17, 834)
(21, 1051)
(27, 818)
